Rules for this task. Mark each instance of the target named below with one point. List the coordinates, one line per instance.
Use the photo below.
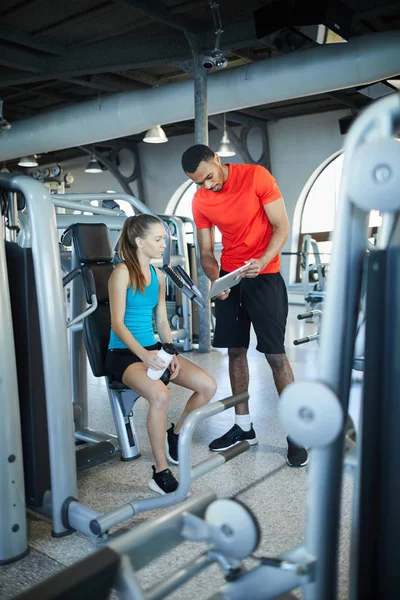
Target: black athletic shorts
(119, 359)
(262, 302)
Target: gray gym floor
(260, 478)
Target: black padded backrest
(96, 333)
(31, 384)
(92, 243)
(93, 248)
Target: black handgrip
(235, 450)
(308, 315)
(234, 400)
(301, 341)
(89, 282)
(184, 275)
(70, 276)
(172, 275)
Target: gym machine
(13, 528)
(312, 412)
(59, 500)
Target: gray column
(201, 137)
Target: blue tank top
(138, 314)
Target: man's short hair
(194, 155)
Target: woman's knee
(160, 400)
(208, 387)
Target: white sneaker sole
(153, 486)
(252, 442)
(297, 466)
(169, 457)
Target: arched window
(181, 204)
(316, 209)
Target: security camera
(221, 61)
(208, 62)
(216, 59)
(4, 124)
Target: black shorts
(262, 302)
(119, 359)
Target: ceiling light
(93, 166)
(28, 161)
(225, 148)
(155, 135)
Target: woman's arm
(163, 328)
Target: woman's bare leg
(157, 395)
(193, 378)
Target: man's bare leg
(239, 376)
(242, 430)
(283, 375)
(281, 370)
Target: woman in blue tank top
(136, 288)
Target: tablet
(226, 282)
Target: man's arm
(277, 216)
(208, 261)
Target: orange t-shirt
(238, 212)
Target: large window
(319, 201)
(181, 204)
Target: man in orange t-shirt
(245, 203)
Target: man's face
(209, 175)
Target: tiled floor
(260, 478)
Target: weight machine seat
(93, 250)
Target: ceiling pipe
(362, 60)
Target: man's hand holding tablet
(221, 287)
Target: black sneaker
(171, 445)
(163, 482)
(232, 437)
(297, 456)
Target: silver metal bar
(83, 316)
(80, 517)
(114, 223)
(162, 589)
(154, 538)
(114, 517)
(207, 465)
(265, 583)
(13, 529)
(127, 451)
(12, 215)
(127, 584)
(92, 436)
(96, 210)
(78, 358)
(183, 252)
(53, 331)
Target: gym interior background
(55, 57)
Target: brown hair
(133, 228)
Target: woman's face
(153, 245)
